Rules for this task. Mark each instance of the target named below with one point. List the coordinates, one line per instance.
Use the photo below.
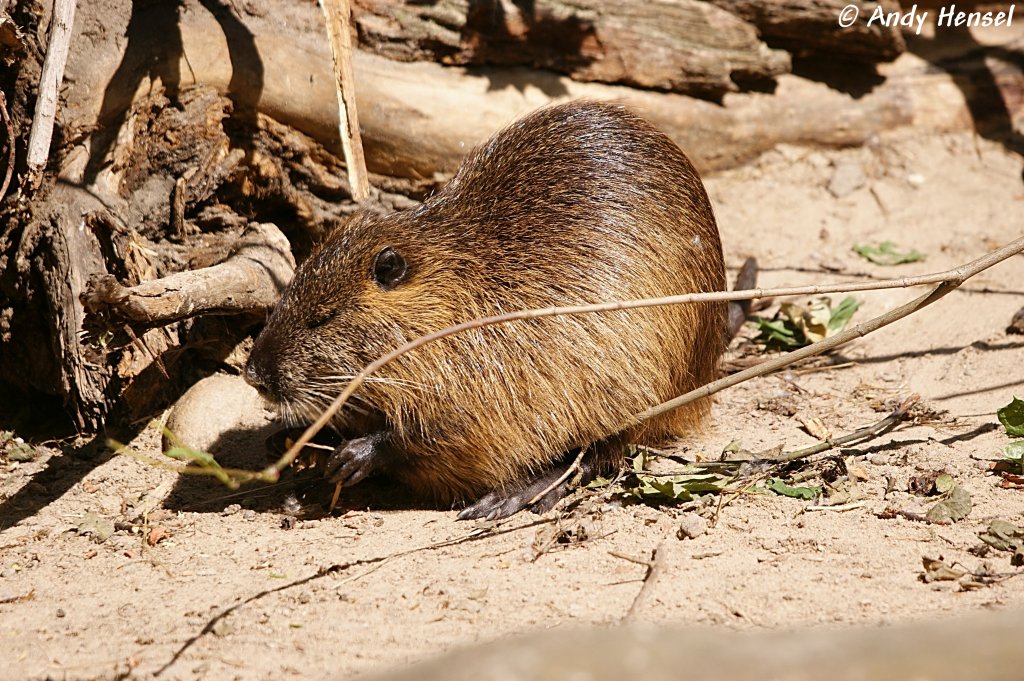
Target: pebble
(847, 178)
(691, 526)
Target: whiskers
(305, 407)
(318, 392)
(339, 381)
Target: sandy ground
(242, 592)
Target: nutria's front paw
(354, 460)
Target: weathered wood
(248, 282)
(426, 116)
(812, 26)
(38, 152)
(422, 117)
(70, 255)
(337, 14)
(682, 46)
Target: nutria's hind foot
(501, 504)
(601, 458)
(355, 460)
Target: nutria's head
(373, 284)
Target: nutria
(577, 203)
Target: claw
(355, 460)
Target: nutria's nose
(260, 374)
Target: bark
(811, 27)
(422, 117)
(250, 282)
(684, 46)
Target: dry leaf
(157, 535)
(815, 427)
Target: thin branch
(562, 478)
(861, 434)
(49, 87)
(655, 566)
(336, 568)
(950, 279)
(250, 280)
(338, 16)
(872, 431)
(10, 145)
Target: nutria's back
(577, 203)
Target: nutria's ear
(389, 268)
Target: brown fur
(578, 203)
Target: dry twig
(654, 567)
(868, 432)
(9, 128)
(948, 281)
(49, 86)
(251, 280)
(338, 15)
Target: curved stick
(948, 280)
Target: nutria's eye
(389, 268)
(319, 317)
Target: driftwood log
(410, 130)
(806, 27)
(686, 46)
(184, 124)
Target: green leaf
(1003, 535)
(1014, 451)
(944, 483)
(672, 489)
(779, 333)
(1012, 418)
(842, 313)
(733, 446)
(887, 253)
(1013, 458)
(798, 325)
(21, 451)
(807, 493)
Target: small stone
(691, 526)
(847, 178)
(915, 179)
(220, 413)
(61, 613)
(818, 160)
(248, 514)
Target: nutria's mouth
(354, 420)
